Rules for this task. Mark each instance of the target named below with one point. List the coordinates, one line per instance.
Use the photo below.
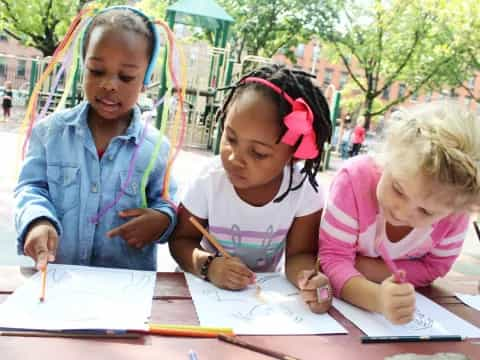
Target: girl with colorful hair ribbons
(260, 198)
(398, 221)
(93, 188)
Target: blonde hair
(440, 140)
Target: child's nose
(110, 84)
(236, 158)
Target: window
(299, 51)
(343, 80)
(327, 77)
(402, 88)
(3, 67)
(386, 93)
(21, 68)
(415, 96)
(3, 37)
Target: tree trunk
(368, 110)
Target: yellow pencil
(209, 237)
(193, 327)
(44, 284)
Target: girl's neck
(262, 194)
(396, 233)
(103, 130)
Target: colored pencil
(275, 354)
(398, 275)
(73, 334)
(218, 330)
(389, 339)
(44, 284)
(209, 237)
(181, 333)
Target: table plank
(172, 305)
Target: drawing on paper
(257, 302)
(420, 322)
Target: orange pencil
(183, 332)
(44, 284)
(209, 237)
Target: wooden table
(172, 303)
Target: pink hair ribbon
(299, 122)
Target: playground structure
(208, 68)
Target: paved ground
(188, 163)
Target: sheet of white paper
(79, 297)
(430, 319)
(470, 300)
(277, 310)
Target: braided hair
(297, 84)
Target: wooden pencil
(236, 341)
(44, 284)
(66, 334)
(209, 237)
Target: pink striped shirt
(353, 224)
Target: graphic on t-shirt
(256, 258)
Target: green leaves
(41, 23)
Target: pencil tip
(42, 299)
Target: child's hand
(397, 301)
(230, 273)
(315, 290)
(145, 226)
(41, 243)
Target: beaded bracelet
(206, 266)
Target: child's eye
(397, 190)
(425, 212)
(258, 155)
(96, 72)
(230, 140)
(126, 78)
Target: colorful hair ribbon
(299, 122)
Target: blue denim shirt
(63, 179)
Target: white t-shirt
(255, 234)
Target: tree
(417, 43)
(41, 23)
(263, 27)
(154, 8)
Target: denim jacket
(63, 180)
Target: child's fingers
(237, 282)
(240, 268)
(52, 244)
(122, 231)
(131, 213)
(319, 307)
(304, 278)
(41, 256)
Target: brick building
(309, 59)
(16, 61)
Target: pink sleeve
(437, 263)
(338, 235)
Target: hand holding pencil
(226, 271)
(41, 243)
(315, 290)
